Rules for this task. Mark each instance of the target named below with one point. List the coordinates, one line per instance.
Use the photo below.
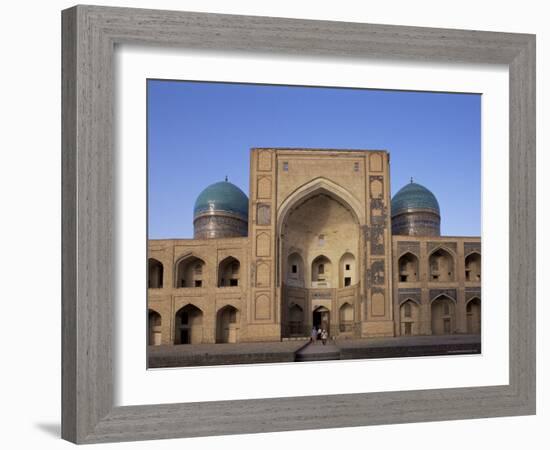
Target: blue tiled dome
(223, 196)
(413, 197)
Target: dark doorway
(184, 328)
(188, 325)
(321, 318)
(184, 336)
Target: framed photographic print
(261, 215)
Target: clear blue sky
(200, 132)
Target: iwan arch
(319, 242)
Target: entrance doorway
(321, 318)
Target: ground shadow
(53, 429)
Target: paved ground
(409, 341)
(216, 354)
(289, 351)
(401, 347)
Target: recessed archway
(295, 275)
(155, 274)
(321, 318)
(473, 316)
(443, 315)
(408, 268)
(296, 321)
(229, 272)
(321, 272)
(472, 266)
(188, 325)
(348, 270)
(227, 325)
(155, 331)
(408, 314)
(190, 272)
(316, 224)
(441, 266)
(346, 318)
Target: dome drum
(219, 225)
(416, 223)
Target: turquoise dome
(413, 197)
(223, 196)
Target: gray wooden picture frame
(89, 37)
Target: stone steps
(317, 356)
(318, 352)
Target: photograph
(311, 223)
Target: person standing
(319, 332)
(324, 336)
(313, 334)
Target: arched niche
(408, 268)
(188, 325)
(155, 274)
(346, 317)
(190, 272)
(472, 265)
(473, 316)
(296, 321)
(229, 272)
(348, 270)
(155, 331)
(227, 325)
(321, 272)
(443, 315)
(441, 266)
(295, 275)
(409, 318)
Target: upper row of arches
(441, 267)
(322, 271)
(189, 272)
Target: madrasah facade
(318, 242)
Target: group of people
(319, 334)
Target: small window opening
(321, 269)
(356, 167)
(347, 281)
(347, 267)
(294, 268)
(233, 282)
(198, 283)
(285, 166)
